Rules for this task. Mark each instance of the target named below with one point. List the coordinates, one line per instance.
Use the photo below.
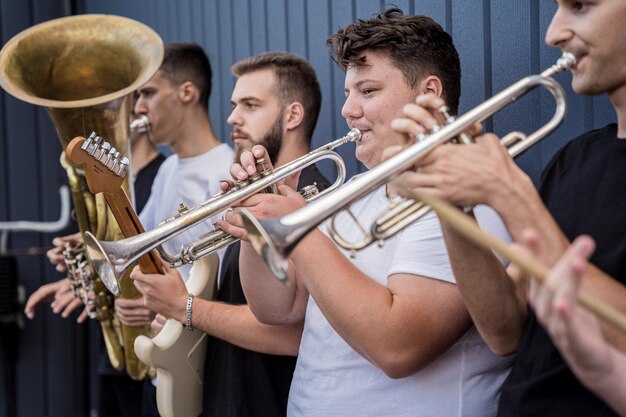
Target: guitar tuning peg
(109, 156)
(123, 167)
(88, 143)
(104, 149)
(114, 160)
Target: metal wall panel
(50, 367)
(499, 42)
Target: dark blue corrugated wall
(499, 42)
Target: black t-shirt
(584, 187)
(144, 180)
(237, 381)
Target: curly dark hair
(417, 45)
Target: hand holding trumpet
(262, 205)
(471, 174)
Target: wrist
(188, 313)
(604, 383)
(510, 196)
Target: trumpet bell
(102, 263)
(262, 238)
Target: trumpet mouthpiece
(567, 61)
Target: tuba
(83, 69)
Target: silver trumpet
(110, 259)
(274, 239)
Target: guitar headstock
(105, 167)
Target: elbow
(503, 344)
(273, 317)
(502, 349)
(398, 365)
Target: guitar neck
(130, 226)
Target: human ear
(294, 114)
(187, 92)
(431, 85)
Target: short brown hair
(296, 81)
(417, 45)
(184, 62)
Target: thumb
(292, 180)
(287, 191)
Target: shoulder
(222, 151)
(169, 163)
(579, 149)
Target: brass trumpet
(109, 259)
(274, 239)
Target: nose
(351, 109)
(558, 32)
(234, 119)
(140, 106)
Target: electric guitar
(175, 353)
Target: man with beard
(249, 365)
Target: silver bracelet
(188, 313)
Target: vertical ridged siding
(499, 42)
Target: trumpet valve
(263, 171)
(309, 191)
(182, 209)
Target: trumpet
(110, 259)
(274, 239)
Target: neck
(195, 136)
(618, 99)
(142, 153)
(293, 146)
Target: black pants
(120, 396)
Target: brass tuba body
(83, 70)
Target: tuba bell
(83, 70)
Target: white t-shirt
(331, 379)
(189, 181)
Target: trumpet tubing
(274, 239)
(111, 258)
(218, 239)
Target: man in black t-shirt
(249, 366)
(582, 191)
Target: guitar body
(177, 354)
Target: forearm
(520, 207)
(612, 293)
(610, 387)
(271, 301)
(392, 326)
(495, 302)
(237, 325)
